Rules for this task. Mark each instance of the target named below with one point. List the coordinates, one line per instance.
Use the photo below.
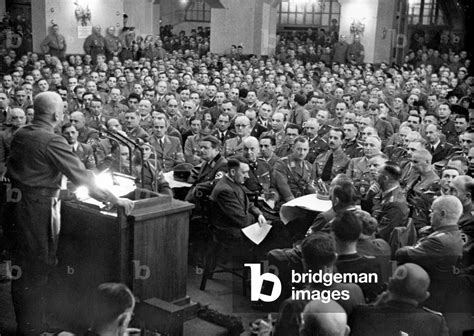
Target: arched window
(198, 11)
(308, 13)
(425, 12)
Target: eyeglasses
(172, 105)
(187, 107)
(241, 125)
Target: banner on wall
(83, 31)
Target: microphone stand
(155, 181)
(113, 136)
(130, 143)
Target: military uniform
(448, 129)
(233, 146)
(146, 122)
(114, 109)
(260, 177)
(192, 150)
(339, 166)
(417, 185)
(293, 178)
(317, 145)
(94, 45)
(353, 148)
(272, 160)
(393, 212)
(204, 178)
(169, 152)
(137, 132)
(438, 254)
(209, 171)
(323, 130)
(38, 159)
(283, 150)
(279, 136)
(86, 133)
(358, 171)
(96, 121)
(6, 138)
(223, 136)
(396, 318)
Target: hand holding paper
(256, 232)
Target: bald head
(410, 281)
(48, 107)
(446, 210)
(251, 141)
(321, 318)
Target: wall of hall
(364, 11)
(236, 25)
(140, 15)
(385, 34)
(104, 13)
(172, 13)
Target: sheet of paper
(175, 184)
(293, 208)
(256, 233)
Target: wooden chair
(219, 252)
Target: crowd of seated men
(393, 145)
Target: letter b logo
(256, 284)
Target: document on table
(257, 233)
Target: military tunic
(293, 178)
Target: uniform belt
(42, 191)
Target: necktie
(327, 170)
(222, 137)
(432, 148)
(73, 149)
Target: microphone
(105, 133)
(130, 144)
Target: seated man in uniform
(233, 210)
(212, 169)
(332, 162)
(397, 312)
(83, 151)
(233, 146)
(293, 173)
(393, 211)
(317, 144)
(439, 252)
(168, 148)
(260, 182)
(285, 149)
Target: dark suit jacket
(441, 152)
(233, 210)
(257, 130)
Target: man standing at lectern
(38, 158)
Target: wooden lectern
(147, 250)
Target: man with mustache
(328, 164)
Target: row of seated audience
(391, 147)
